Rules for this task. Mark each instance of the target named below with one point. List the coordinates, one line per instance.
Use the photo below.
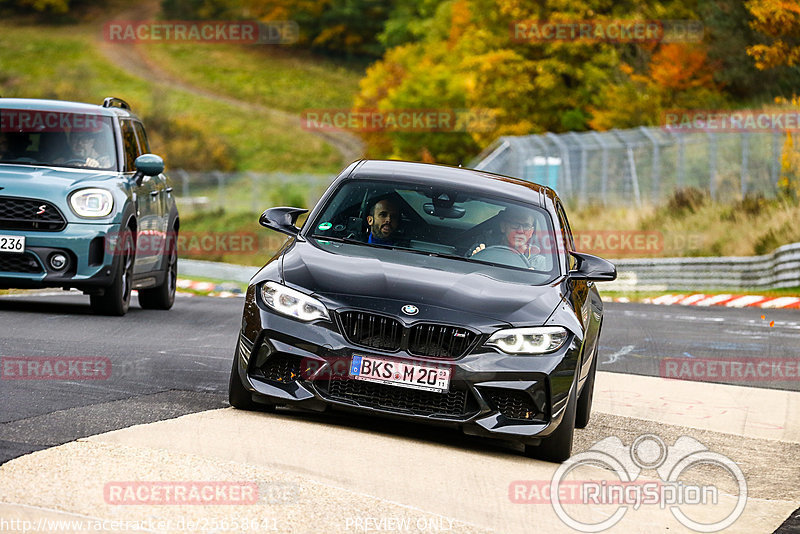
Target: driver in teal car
(515, 231)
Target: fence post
(681, 159)
(712, 164)
(743, 174)
(604, 165)
(565, 162)
(776, 158)
(655, 172)
(256, 197)
(220, 189)
(184, 183)
(637, 197)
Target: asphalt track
(171, 364)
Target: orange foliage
(679, 67)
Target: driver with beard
(383, 221)
(515, 231)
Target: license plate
(403, 374)
(12, 243)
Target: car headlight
(293, 303)
(533, 340)
(92, 202)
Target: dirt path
(133, 59)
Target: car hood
(44, 182)
(442, 288)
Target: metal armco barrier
(780, 269)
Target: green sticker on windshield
(324, 226)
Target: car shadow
(56, 304)
(421, 432)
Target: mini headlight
(92, 202)
(293, 303)
(533, 340)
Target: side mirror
(593, 268)
(147, 165)
(282, 219)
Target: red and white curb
(728, 301)
(224, 290)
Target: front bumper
(283, 361)
(90, 258)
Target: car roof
(63, 106)
(448, 176)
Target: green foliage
(186, 141)
(62, 62)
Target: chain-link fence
(640, 165)
(245, 191)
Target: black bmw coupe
(430, 293)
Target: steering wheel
(75, 160)
(503, 255)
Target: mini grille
(517, 404)
(30, 214)
(370, 330)
(439, 341)
(19, 263)
(452, 404)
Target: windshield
(432, 220)
(76, 140)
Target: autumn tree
(779, 22)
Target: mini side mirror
(147, 165)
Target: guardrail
(216, 270)
(780, 269)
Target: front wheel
(557, 447)
(584, 410)
(238, 396)
(116, 298)
(163, 297)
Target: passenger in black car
(515, 231)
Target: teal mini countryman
(83, 204)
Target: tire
(584, 408)
(116, 298)
(162, 297)
(239, 397)
(557, 447)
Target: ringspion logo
(626, 492)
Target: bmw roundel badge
(410, 309)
